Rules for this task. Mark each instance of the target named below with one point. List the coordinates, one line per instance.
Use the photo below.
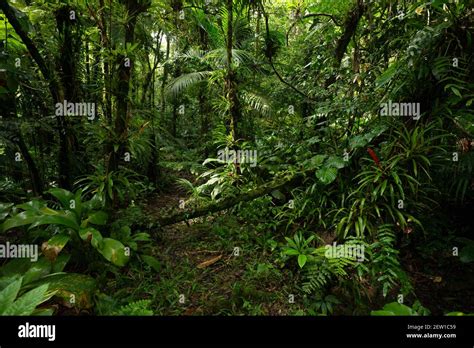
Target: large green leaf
(63, 196)
(358, 141)
(32, 271)
(62, 218)
(72, 289)
(61, 262)
(21, 219)
(361, 140)
(291, 251)
(8, 295)
(34, 205)
(98, 218)
(54, 245)
(394, 308)
(278, 195)
(302, 260)
(37, 270)
(15, 267)
(27, 303)
(92, 235)
(94, 203)
(314, 162)
(5, 210)
(113, 251)
(326, 175)
(398, 308)
(335, 162)
(457, 314)
(152, 262)
(382, 313)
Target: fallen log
(226, 203)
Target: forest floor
(220, 265)
(440, 283)
(209, 266)
(217, 265)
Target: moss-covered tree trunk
(123, 77)
(230, 80)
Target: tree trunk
(154, 172)
(36, 182)
(165, 78)
(124, 71)
(350, 27)
(178, 216)
(105, 43)
(203, 106)
(9, 114)
(174, 119)
(69, 48)
(230, 81)
(55, 89)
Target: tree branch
(270, 60)
(350, 27)
(32, 49)
(309, 16)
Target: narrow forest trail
(209, 266)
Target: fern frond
(140, 307)
(256, 102)
(325, 269)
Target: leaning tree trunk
(350, 27)
(9, 114)
(182, 215)
(36, 182)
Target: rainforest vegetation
(236, 157)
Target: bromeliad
(374, 157)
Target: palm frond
(219, 57)
(185, 81)
(193, 54)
